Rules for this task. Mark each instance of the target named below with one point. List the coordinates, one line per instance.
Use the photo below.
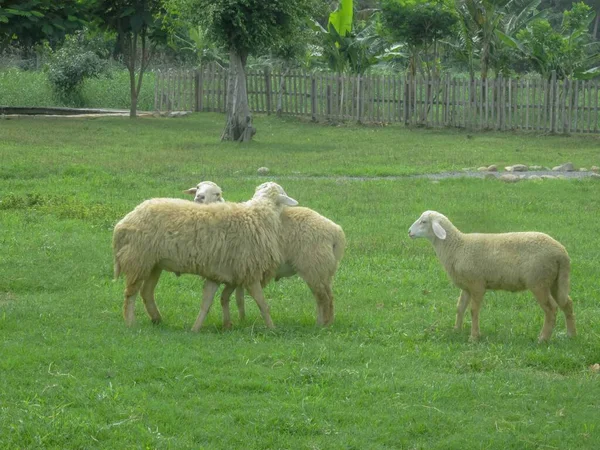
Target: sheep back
(225, 242)
(507, 261)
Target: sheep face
(274, 192)
(428, 226)
(206, 192)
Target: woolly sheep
(232, 243)
(506, 261)
(312, 246)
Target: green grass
(390, 372)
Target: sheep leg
(476, 300)
(256, 292)
(566, 305)
(131, 290)
(567, 309)
(324, 296)
(225, 297)
(461, 307)
(542, 295)
(147, 293)
(239, 300)
(208, 295)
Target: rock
(519, 168)
(262, 170)
(595, 169)
(561, 177)
(510, 178)
(547, 177)
(595, 176)
(174, 114)
(534, 177)
(509, 168)
(493, 168)
(566, 167)
(583, 169)
(535, 167)
(490, 176)
(482, 169)
(468, 169)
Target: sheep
(206, 192)
(228, 243)
(512, 262)
(312, 247)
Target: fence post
(359, 99)
(198, 90)
(313, 97)
(267, 73)
(553, 102)
(328, 99)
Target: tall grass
(31, 88)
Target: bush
(70, 65)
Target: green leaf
(47, 29)
(341, 18)
(3, 19)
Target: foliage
(251, 27)
(419, 24)
(32, 21)
(341, 19)
(567, 50)
(71, 65)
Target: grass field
(389, 373)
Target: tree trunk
(239, 121)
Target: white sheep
(232, 243)
(512, 262)
(311, 245)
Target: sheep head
(275, 193)
(430, 225)
(206, 192)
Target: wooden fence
(561, 106)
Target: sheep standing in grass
(507, 261)
(311, 246)
(232, 243)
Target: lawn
(389, 373)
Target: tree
(244, 28)
(32, 21)
(483, 20)
(138, 27)
(421, 24)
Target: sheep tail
(117, 270)
(339, 245)
(561, 284)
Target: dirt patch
(6, 298)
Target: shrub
(70, 65)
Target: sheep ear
(285, 200)
(438, 230)
(191, 191)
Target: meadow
(389, 373)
